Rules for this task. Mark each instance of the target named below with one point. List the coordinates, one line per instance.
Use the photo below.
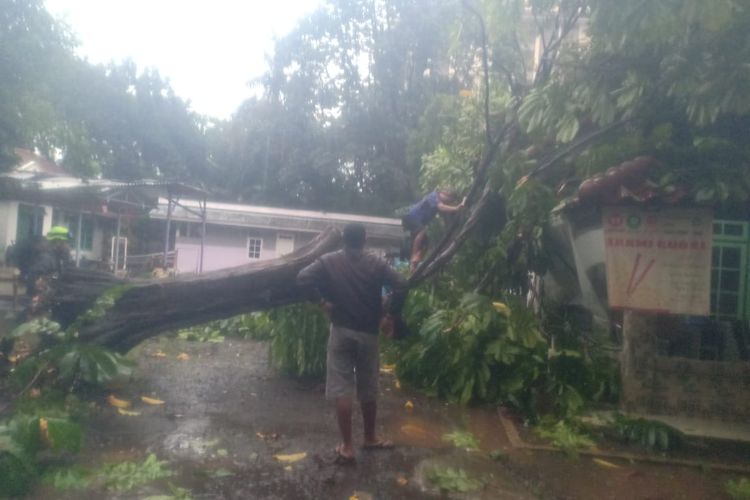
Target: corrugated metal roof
(231, 214)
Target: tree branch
(485, 70)
(577, 146)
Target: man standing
(350, 281)
(420, 214)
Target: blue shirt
(424, 211)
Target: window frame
(722, 242)
(248, 247)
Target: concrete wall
(8, 219)
(661, 385)
(9, 223)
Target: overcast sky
(209, 50)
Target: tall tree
(32, 47)
(347, 87)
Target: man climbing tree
(421, 214)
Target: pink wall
(216, 255)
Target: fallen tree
(148, 307)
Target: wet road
(227, 413)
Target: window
(728, 269)
(254, 246)
(29, 223)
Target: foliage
(69, 478)
(22, 437)
(474, 351)
(249, 326)
(649, 434)
(112, 119)
(120, 477)
(254, 326)
(462, 439)
(98, 310)
(92, 364)
(211, 332)
(448, 479)
(564, 435)
(125, 476)
(59, 365)
(457, 352)
(738, 489)
(298, 339)
(70, 360)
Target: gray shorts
(351, 356)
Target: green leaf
(17, 472)
(64, 435)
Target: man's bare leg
(369, 411)
(372, 442)
(344, 418)
(417, 249)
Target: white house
(30, 204)
(38, 194)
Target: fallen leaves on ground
(291, 458)
(151, 401)
(409, 405)
(387, 368)
(183, 356)
(128, 413)
(288, 468)
(397, 384)
(117, 403)
(35, 393)
(158, 354)
(402, 481)
(606, 464)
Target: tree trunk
(149, 307)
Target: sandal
(342, 459)
(380, 445)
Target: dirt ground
(227, 413)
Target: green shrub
(649, 434)
(121, 477)
(22, 437)
(254, 326)
(451, 480)
(565, 436)
(474, 351)
(462, 439)
(739, 489)
(298, 339)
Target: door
(284, 244)
(118, 254)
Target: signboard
(659, 261)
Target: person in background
(350, 282)
(50, 256)
(419, 215)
